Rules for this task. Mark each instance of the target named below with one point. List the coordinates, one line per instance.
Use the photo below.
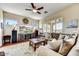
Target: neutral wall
(8, 29)
(68, 13)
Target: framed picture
(72, 23)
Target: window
(46, 28)
(57, 25)
(54, 27)
(10, 22)
(9, 25)
(35, 24)
(40, 27)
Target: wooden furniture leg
(34, 47)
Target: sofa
(43, 51)
(64, 51)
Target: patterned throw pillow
(66, 46)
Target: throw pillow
(66, 37)
(66, 46)
(61, 36)
(54, 44)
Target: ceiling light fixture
(34, 10)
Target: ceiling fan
(36, 10)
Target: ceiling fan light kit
(35, 10)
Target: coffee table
(35, 43)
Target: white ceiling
(19, 8)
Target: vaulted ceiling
(19, 9)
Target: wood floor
(8, 43)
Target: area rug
(21, 49)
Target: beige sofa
(44, 51)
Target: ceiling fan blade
(38, 12)
(28, 9)
(40, 8)
(33, 5)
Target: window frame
(55, 24)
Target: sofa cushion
(66, 46)
(61, 36)
(66, 37)
(43, 51)
(54, 44)
(55, 35)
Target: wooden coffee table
(35, 43)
